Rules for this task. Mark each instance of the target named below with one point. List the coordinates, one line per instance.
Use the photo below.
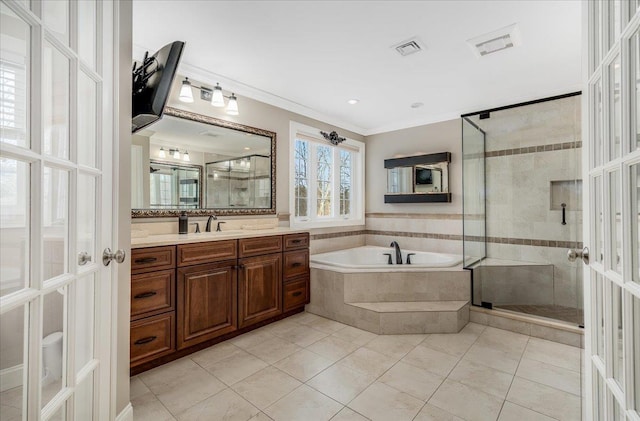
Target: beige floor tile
(355, 335)
(341, 383)
(548, 352)
(512, 412)
(455, 344)
(491, 357)
(382, 402)
(250, 339)
(266, 386)
(303, 364)
(261, 417)
(273, 350)
(431, 360)
(391, 345)
(136, 387)
(482, 378)
(550, 375)
(368, 362)
(348, 414)
(304, 403)
(181, 384)
(326, 325)
(473, 329)
(413, 380)
(224, 406)
(466, 402)
(512, 344)
(147, 407)
(214, 354)
(280, 327)
(237, 367)
(332, 348)
(433, 413)
(9, 413)
(304, 318)
(302, 335)
(545, 399)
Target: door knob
(83, 258)
(108, 256)
(573, 254)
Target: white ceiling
(312, 56)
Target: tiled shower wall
(528, 148)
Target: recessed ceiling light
(353, 101)
(246, 148)
(417, 104)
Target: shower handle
(573, 254)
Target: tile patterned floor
(568, 314)
(310, 368)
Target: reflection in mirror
(190, 162)
(418, 178)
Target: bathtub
(373, 259)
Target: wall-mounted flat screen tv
(152, 81)
(423, 176)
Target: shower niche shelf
(418, 179)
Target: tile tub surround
(362, 376)
(430, 301)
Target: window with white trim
(326, 181)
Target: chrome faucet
(211, 218)
(398, 252)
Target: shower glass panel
(523, 202)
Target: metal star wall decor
(333, 137)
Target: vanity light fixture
(215, 96)
(176, 154)
(185, 156)
(162, 153)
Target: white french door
(612, 209)
(56, 122)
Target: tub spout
(398, 252)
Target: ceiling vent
(492, 42)
(408, 47)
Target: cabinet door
(207, 297)
(260, 288)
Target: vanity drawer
(259, 245)
(295, 263)
(152, 259)
(152, 337)
(296, 241)
(152, 293)
(213, 251)
(296, 294)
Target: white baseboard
(126, 414)
(11, 377)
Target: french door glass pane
(616, 334)
(55, 213)
(60, 414)
(615, 75)
(14, 72)
(634, 185)
(55, 15)
(596, 9)
(84, 399)
(600, 398)
(636, 350)
(598, 219)
(599, 314)
(85, 305)
(53, 347)
(87, 118)
(86, 218)
(87, 29)
(598, 124)
(13, 324)
(324, 169)
(635, 89)
(615, 202)
(614, 19)
(14, 225)
(55, 102)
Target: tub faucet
(211, 218)
(398, 252)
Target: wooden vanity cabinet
(259, 288)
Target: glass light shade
(186, 95)
(217, 99)
(176, 154)
(185, 156)
(162, 153)
(232, 107)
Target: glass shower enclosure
(243, 182)
(522, 208)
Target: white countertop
(172, 239)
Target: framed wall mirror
(202, 165)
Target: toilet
(52, 358)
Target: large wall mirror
(203, 165)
